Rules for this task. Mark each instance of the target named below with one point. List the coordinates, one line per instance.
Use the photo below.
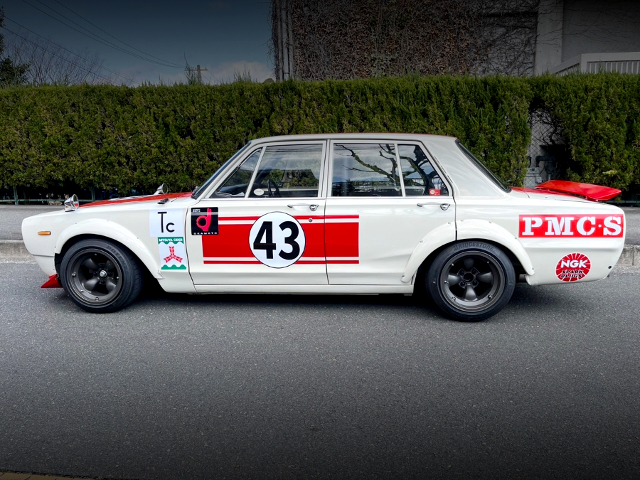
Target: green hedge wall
(600, 120)
(120, 137)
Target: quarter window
(236, 185)
(365, 169)
(418, 174)
(288, 171)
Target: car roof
(352, 136)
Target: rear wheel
(100, 276)
(471, 281)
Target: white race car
(336, 214)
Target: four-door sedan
(336, 214)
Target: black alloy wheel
(100, 276)
(471, 280)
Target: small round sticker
(573, 267)
(277, 240)
(258, 192)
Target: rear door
(385, 196)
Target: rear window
(488, 173)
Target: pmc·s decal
(204, 221)
(573, 267)
(277, 240)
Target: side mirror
(72, 203)
(162, 189)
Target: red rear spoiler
(586, 190)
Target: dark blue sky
(224, 36)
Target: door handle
(443, 206)
(312, 207)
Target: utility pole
(199, 70)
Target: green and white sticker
(173, 254)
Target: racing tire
(100, 276)
(471, 281)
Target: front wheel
(100, 276)
(471, 281)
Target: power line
(60, 57)
(98, 39)
(124, 43)
(60, 46)
(112, 45)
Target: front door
(385, 198)
(264, 225)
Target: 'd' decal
(573, 267)
(204, 221)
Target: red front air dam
(52, 282)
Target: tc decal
(573, 267)
(576, 226)
(277, 240)
(172, 253)
(204, 221)
(164, 223)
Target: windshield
(201, 189)
(488, 173)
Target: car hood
(142, 198)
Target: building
(353, 39)
(350, 39)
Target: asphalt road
(187, 387)
(11, 217)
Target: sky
(225, 36)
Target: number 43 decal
(277, 240)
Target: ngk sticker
(573, 267)
(576, 226)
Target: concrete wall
(598, 26)
(549, 36)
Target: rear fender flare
(435, 239)
(113, 231)
(486, 230)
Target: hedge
(600, 120)
(109, 137)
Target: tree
(11, 73)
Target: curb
(630, 256)
(13, 250)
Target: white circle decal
(277, 240)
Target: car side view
(336, 214)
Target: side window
(365, 170)
(288, 171)
(419, 176)
(236, 185)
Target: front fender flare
(114, 231)
(486, 230)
